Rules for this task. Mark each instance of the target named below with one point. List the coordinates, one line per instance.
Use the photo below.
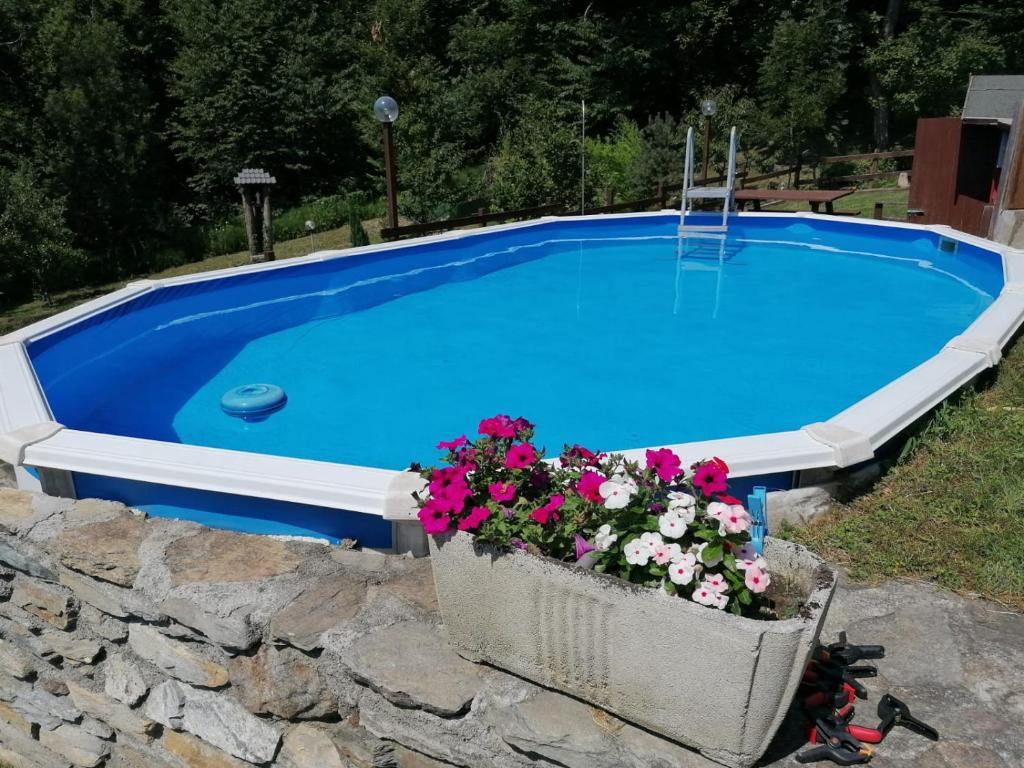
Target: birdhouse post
(254, 185)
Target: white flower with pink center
(652, 540)
(757, 580)
(705, 596)
(683, 505)
(666, 553)
(637, 553)
(716, 509)
(617, 491)
(734, 520)
(672, 525)
(683, 570)
(721, 601)
(698, 551)
(716, 582)
(604, 538)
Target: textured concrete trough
(707, 679)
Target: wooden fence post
(609, 196)
(878, 210)
(661, 195)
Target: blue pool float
(253, 401)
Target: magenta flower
(709, 478)
(523, 428)
(498, 426)
(451, 445)
(582, 547)
(502, 491)
(588, 486)
(520, 456)
(472, 521)
(665, 463)
(549, 511)
(433, 518)
(578, 452)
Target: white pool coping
(848, 438)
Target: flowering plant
(658, 524)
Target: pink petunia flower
(665, 463)
(498, 426)
(549, 511)
(582, 547)
(451, 445)
(716, 582)
(520, 456)
(473, 520)
(433, 518)
(709, 478)
(588, 486)
(502, 491)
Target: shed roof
(254, 176)
(993, 98)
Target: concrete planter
(710, 680)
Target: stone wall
(132, 642)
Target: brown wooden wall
(954, 171)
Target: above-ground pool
(612, 332)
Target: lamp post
(708, 107)
(386, 110)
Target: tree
(802, 78)
(262, 83)
(36, 254)
(923, 70)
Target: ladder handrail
(728, 199)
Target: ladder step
(698, 228)
(708, 192)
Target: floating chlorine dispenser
(253, 402)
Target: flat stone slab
(412, 665)
(107, 550)
(182, 661)
(221, 556)
(320, 607)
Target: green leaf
(744, 597)
(670, 587)
(711, 552)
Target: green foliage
(802, 77)
(924, 69)
(36, 255)
(613, 162)
(538, 162)
(137, 114)
(357, 233)
(261, 83)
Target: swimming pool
(609, 331)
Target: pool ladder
(693, 192)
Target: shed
(958, 175)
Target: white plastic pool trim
(848, 438)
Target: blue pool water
(614, 334)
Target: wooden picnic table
(814, 197)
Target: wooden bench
(813, 197)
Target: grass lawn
(25, 314)
(953, 511)
(862, 201)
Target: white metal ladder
(693, 192)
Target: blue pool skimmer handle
(757, 503)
